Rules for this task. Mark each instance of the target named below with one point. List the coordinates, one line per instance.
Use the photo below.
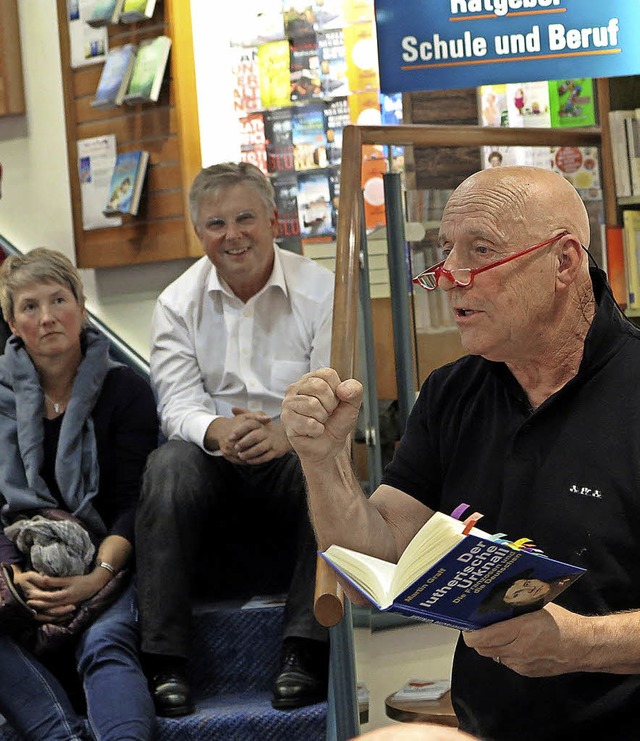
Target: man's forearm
(614, 643)
(341, 513)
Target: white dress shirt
(211, 352)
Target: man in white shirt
(223, 509)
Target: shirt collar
(277, 279)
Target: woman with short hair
(75, 432)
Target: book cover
(137, 10)
(278, 140)
(252, 140)
(336, 117)
(528, 104)
(334, 193)
(105, 13)
(286, 192)
(492, 103)
(115, 76)
(314, 205)
(458, 576)
(364, 108)
(307, 133)
(571, 102)
(148, 70)
(362, 57)
(333, 63)
(631, 230)
(578, 165)
(633, 144)
(126, 182)
(246, 87)
(299, 18)
(273, 75)
(304, 69)
(373, 168)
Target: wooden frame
(329, 605)
(12, 100)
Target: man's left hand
(544, 643)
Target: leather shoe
(303, 674)
(171, 694)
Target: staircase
(234, 663)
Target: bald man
(538, 428)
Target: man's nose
(234, 231)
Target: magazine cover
(571, 102)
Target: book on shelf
(631, 234)
(620, 151)
(333, 63)
(304, 69)
(456, 575)
(105, 13)
(148, 70)
(336, 117)
(314, 205)
(252, 140)
(273, 74)
(115, 76)
(126, 183)
(286, 194)
(308, 137)
(633, 143)
(299, 18)
(571, 102)
(278, 139)
(137, 10)
(246, 88)
(362, 57)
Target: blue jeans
(119, 706)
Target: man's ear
(274, 223)
(570, 259)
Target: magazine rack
(329, 598)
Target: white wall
(35, 209)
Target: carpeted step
(235, 649)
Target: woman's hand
(55, 599)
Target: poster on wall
(446, 44)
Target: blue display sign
(445, 44)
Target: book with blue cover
(115, 76)
(456, 575)
(126, 183)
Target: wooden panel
(161, 230)
(440, 168)
(11, 81)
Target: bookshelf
(168, 130)
(12, 100)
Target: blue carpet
(233, 666)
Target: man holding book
(223, 509)
(536, 428)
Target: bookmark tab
(459, 510)
(470, 522)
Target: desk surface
(424, 711)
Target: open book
(457, 575)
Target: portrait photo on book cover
(521, 593)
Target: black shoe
(171, 694)
(303, 676)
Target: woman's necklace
(58, 406)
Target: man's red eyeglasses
(429, 279)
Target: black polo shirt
(566, 475)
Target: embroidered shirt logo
(585, 491)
